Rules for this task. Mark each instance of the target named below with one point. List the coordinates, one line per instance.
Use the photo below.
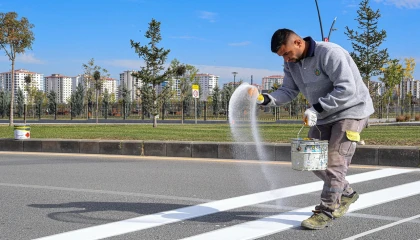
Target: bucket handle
(304, 126)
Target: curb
(399, 156)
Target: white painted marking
(274, 224)
(162, 218)
(382, 228)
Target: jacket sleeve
(288, 91)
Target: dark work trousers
(340, 153)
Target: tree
(89, 70)
(15, 37)
(4, 103)
(52, 103)
(20, 99)
(105, 103)
(216, 101)
(392, 75)
(153, 73)
(126, 101)
(76, 100)
(226, 94)
(367, 55)
(89, 102)
(185, 74)
(39, 100)
(410, 65)
(98, 86)
(28, 80)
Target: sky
(217, 37)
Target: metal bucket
(22, 132)
(309, 154)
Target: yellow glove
(260, 99)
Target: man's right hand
(262, 99)
(266, 100)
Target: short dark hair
(280, 38)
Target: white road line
(382, 228)
(277, 223)
(162, 218)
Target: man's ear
(298, 42)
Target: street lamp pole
(320, 22)
(332, 28)
(234, 79)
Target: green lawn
(273, 133)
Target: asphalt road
(63, 196)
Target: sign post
(195, 94)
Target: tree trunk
(154, 121)
(96, 111)
(12, 93)
(182, 111)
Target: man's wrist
(318, 108)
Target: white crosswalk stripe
(259, 228)
(274, 224)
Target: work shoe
(321, 218)
(345, 204)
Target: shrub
(417, 117)
(407, 117)
(400, 118)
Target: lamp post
(234, 79)
(319, 17)
(327, 39)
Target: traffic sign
(195, 91)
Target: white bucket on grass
(22, 132)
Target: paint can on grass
(22, 132)
(309, 154)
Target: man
(340, 103)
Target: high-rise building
(207, 83)
(410, 86)
(130, 83)
(79, 79)
(61, 85)
(37, 81)
(268, 82)
(111, 85)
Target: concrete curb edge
(400, 156)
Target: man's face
(291, 51)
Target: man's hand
(267, 100)
(264, 98)
(310, 117)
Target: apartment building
(411, 86)
(268, 82)
(37, 81)
(79, 79)
(111, 85)
(61, 85)
(207, 83)
(130, 83)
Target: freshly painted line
(382, 228)
(162, 218)
(277, 223)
